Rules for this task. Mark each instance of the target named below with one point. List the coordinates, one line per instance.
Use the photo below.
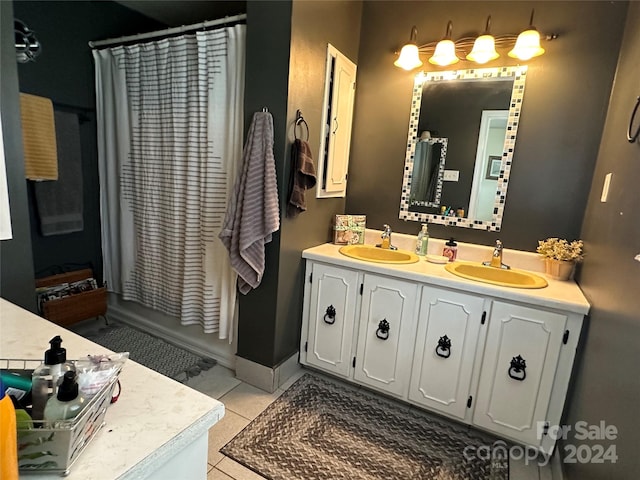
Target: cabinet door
(386, 334)
(337, 121)
(520, 360)
(331, 318)
(446, 341)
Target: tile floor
(243, 403)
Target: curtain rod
(168, 31)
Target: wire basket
(47, 449)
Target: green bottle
(423, 241)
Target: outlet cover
(451, 175)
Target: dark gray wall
(314, 25)
(16, 263)
(564, 108)
(267, 71)
(64, 72)
(286, 54)
(608, 386)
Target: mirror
(476, 112)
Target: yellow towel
(39, 138)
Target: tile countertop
(560, 295)
(154, 418)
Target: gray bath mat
(321, 429)
(152, 352)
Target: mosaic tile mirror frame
(518, 75)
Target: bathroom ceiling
(174, 13)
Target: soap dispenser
(450, 249)
(45, 378)
(423, 241)
(67, 402)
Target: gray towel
(253, 213)
(60, 201)
(303, 177)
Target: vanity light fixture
(484, 48)
(409, 57)
(445, 52)
(528, 43)
(478, 50)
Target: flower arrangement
(561, 249)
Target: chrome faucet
(386, 238)
(496, 257)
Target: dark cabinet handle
(444, 347)
(330, 315)
(518, 368)
(383, 329)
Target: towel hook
(632, 137)
(300, 121)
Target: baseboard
(287, 369)
(266, 378)
(165, 327)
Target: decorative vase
(558, 269)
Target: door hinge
(469, 401)
(565, 337)
(306, 345)
(354, 362)
(484, 318)
(361, 288)
(311, 277)
(545, 429)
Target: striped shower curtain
(170, 120)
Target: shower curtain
(170, 121)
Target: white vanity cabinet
(341, 304)
(386, 334)
(487, 357)
(447, 337)
(331, 317)
(518, 371)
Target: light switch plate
(451, 175)
(605, 187)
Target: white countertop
(561, 295)
(154, 418)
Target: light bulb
(484, 49)
(445, 53)
(527, 45)
(409, 57)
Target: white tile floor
(244, 402)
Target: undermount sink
(369, 253)
(506, 278)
